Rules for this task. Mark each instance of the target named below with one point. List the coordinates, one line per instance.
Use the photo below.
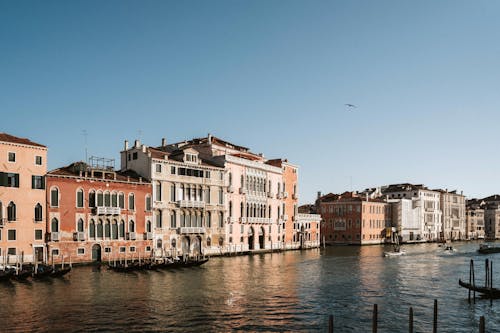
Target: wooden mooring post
(410, 321)
(434, 325)
(374, 318)
(330, 324)
(481, 325)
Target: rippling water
(279, 292)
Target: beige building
(23, 164)
(474, 215)
(453, 217)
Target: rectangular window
(122, 249)
(148, 203)
(80, 251)
(9, 179)
(134, 156)
(11, 235)
(12, 157)
(158, 167)
(172, 170)
(11, 251)
(107, 249)
(132, 249)
(148, 248)
(55, 252)
(38, 160)
(37, 182)
(38, 234)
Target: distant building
(425, 205)
(23, 164)
(475, 219)
(491, 206)
(453, 215)
(97, 214)
(351, 219)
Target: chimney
(209, 138)
(319, 194)
(163, 142)
(125, 146)
(140, 179)
(137, 144)
(143, 148)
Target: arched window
(241, 209)
(131, 201)
(157, 186)
(38, 213)
(173, 244)
(100, 199)
(188, 219)
(230, 179)
(54, 225)
(221, 220)
(11, 211)
(92, 198)
(198, 220)
(92, 229)
(114, 230)
(230, 208)
(107, 199)
(148, 226)
(148, 203)
(159, 221)
(172, 193)
(209, 220)
(242, 181)
(54, 197)
(209, 242)
(107, 229)
(122, 229)
(221, 241)
(131, 226)
(121, 200)
(158, 243)
(79, 225)
(99, 229)
(183, 220)
(114, 199)
(79, 198)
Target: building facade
(426, 208)
(453, 215)
(23, 164)
(97, 214)
(474, 215)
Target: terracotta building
(96, 213)
(351, 219)
(23, 164)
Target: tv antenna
(84, 133)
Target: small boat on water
(42, 271)
(6, 273)
(487, 248)
(485, 291)
(396, 248)
(60, 271)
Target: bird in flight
(350, 105)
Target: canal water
(280, 292)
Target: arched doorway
(250, 239)
(185, 245)
(197, 246)
(96, 253)
(261, 238)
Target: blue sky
(270, 75)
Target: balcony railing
(285, 195)
(148, 235)
(54, 236)
(190, 204)
(230, 189)
(243, 190)
(278, 195)
(191, 230)
(270, 194)
(131, 236)
(231, 219)
(101, 210)
(79, 236)
(264, 220)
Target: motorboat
(487, 248)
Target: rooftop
(4, 137)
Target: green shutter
(33, 184)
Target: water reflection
(292, 291)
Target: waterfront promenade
(288, 291)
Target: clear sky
(270, 75)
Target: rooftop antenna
(140, 134)
(351, 182)
(84, 133)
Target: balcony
(295, 196)
(190, 204)
(230, 189)
(278, 195)
(191, 230)
(54, 236)
(231, 219)
(262, 220)
(285, 195)
(101, 210)
(148, 235)
(270, 195)
(243, 190)
(131, 236)
(243, 219)
(79, 236)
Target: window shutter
(33, 182)
(3, 179)
(43, 183)
(16, 177)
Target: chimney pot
(163, 142)
(137, 144)
(125, 145)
